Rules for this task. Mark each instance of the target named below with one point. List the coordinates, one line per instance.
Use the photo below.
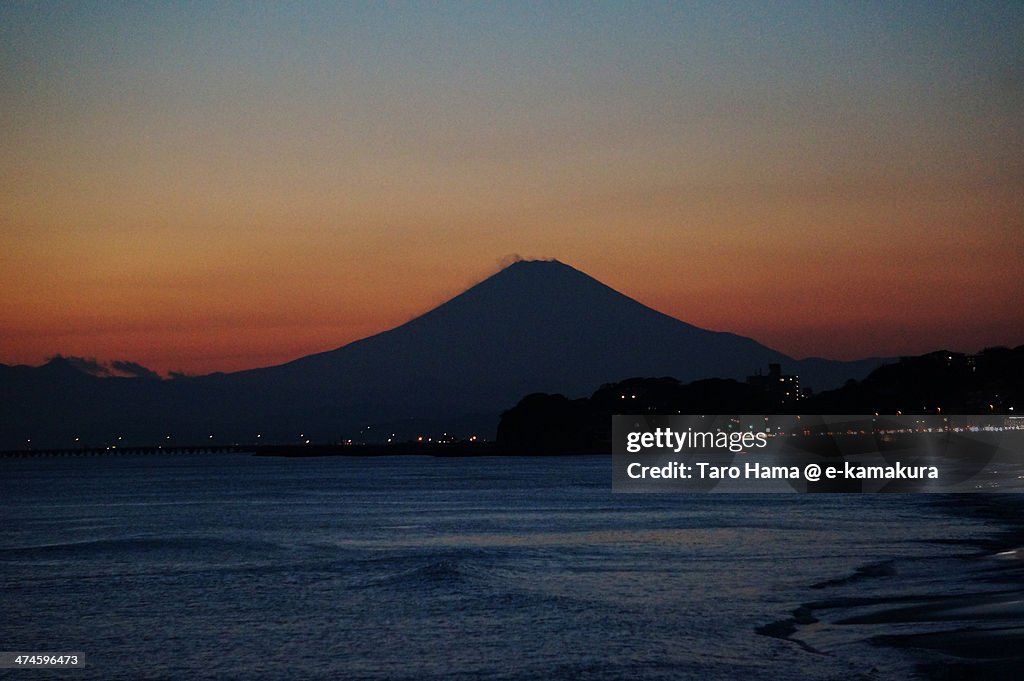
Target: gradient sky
(217, 186)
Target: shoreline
(434, 449)
(976, 634)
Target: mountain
(535, 326)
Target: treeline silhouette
(990, 382)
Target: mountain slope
(535, 325)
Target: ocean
(234, 566)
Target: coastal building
(782, 389)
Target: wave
(136, 545)
(443, 572)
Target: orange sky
(237, 189)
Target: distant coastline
(441, 449)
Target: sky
(217, 186)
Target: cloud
(509, 259)
(121, 368)
(87, 365)
(124, 367)
(513, 258)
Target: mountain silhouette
(535, 326)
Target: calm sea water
(421, 568)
